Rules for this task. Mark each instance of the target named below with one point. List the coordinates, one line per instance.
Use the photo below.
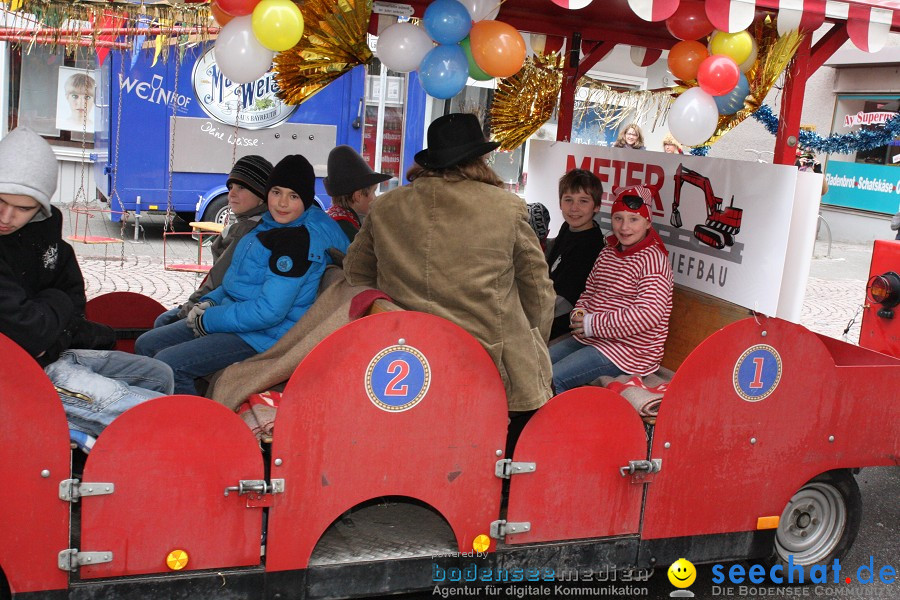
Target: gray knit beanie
(252, 172)
(28, 167)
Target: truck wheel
(821, 521)
(217, 209)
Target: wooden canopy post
(572, 73)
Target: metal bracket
(70, 559)
(501, 528)
(641, 471)
(71, 490)
(505, 468)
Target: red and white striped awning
(654, 10)
(731, 15)
(805, 15)
(572, 4)
(644, 57)
(869, 26)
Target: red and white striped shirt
(627, 301)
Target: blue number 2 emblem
(397, 378)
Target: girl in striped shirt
(620, 322)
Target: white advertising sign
(732, 219)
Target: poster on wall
(725, 223)
(75, 93)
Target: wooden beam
(827, 45)
(792, 105)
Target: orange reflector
(767, 522)
(177, 560)
(481, 543)
(879, 289)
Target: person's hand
(576, 323)
(195, 313)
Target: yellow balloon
(736, 45)
(277, 24)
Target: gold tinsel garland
(526, 100)
(334, 41)
(613, 107)
(61, 22)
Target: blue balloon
(733, 101)
(444, 71)
(447, 21)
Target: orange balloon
(685, 58)
(497, 48)
(219, 15)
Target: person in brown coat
(456, 245)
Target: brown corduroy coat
(465, 251)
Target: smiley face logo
(682, 573)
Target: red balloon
(685, 58)
(237, 8)
(689, 22)
(718, 75)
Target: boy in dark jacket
(572, 254)
(42, 297)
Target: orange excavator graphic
(721, 225)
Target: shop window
(382, 83)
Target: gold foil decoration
(526, 100)
(333, 42)
(613, 107)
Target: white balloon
(239, 55)
(693, 117)
(402, 46)
(482, 10)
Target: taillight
(884, 289)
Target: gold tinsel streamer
(334, 41)
(613, 107)
(41, 20)
(526, 100)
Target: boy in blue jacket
(272, 281)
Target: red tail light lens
(884, 289)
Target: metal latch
(71, 490)
(501, 528)
(70, 559)
(258, 491)
(641, 471)
(505, 468)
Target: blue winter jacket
(255, 300)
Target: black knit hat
(252, 172)
(294, 172)
(453, 139)
(348, 172)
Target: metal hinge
(500, 529)
(259, 492)
(641, 471)
(505, 468)
(71, 490)
(70, 559)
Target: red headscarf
(640, 191)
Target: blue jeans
(576, 364)
(96, 386)
(170, 316)
(192, 357)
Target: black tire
(5, 594)
(217, 209)
(820, 522)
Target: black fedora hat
(348, 172)
(453, 139)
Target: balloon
(475, 71)
(751, 60)
(547, 44)
(237, 8)
(219, 15)
(481, 10)
(689, 21)
(733, 101)
(736, 45)
(497, 48)
(277, 24)
(693, 117)
(718, 75)
(402, 46)
(685, 58)
(447, 21)
(239, 56)
(444, 71)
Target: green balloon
(475, 71)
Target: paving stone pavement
(834, 293)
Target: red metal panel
(727, 461)
(171, 459)
(339, 448)
(579, 440)
(878, 333)
(34, 522)
(124, 310)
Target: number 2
(400, 369)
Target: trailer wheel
(217, 209)
(5, 594)
(821, 521)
